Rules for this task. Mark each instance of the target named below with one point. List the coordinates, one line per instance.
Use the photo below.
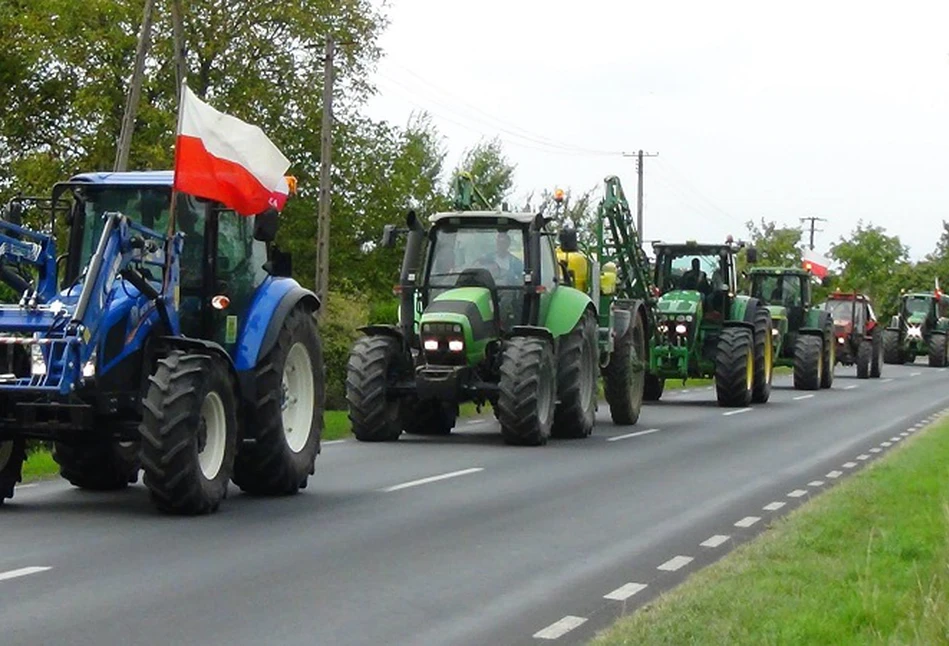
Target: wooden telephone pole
(326, 152)
(639, 187)
(135, 90)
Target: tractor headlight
(680, 318)
(89, 370)
(456, 345)
(775, 332)
(37, 360)
(681, 329)
(663, 328)
(688, 318)
(840, 340)
(431, 345)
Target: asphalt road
(511, 546)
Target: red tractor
(858, 335)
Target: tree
(579, 212)
(491, 170)
(874, 263)
(777, 246)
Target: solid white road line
(629, 435)
(675, 563)
(736, 412)
(800, 397)
(815, 483)
(797, 493)
(24, 571)
(747, 521)
(560, 628)
(835, 474)
(849, 465)
(423, 481)
(714, 541)
(624, 592)
(773, 506)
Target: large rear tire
(891, 347)
(764, 356)
(828, 354)
(282, 436)
(528, 391)
(12, 456)
(937, 351)
(189, 433)
(808, 362)
(864, 358)
(102, 466)
(735, 367)
(876, 361)
(577, 364)
(373, 362)
(624, 378)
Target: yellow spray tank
(578, 266)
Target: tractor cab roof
(695, 247)
(779, 271)
(134, 178)
(483, 217)
(919, 295)
(848, 296)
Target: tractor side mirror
(13, 213)
(266, 224)
(280, 264)
(825, 281)
(389, 234)
(751, 255)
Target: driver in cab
(505, 266)
(695, 279)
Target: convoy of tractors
(141, 335)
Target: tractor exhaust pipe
(409, 276)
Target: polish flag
(816, 263)
(219, 157)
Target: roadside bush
(384, 311)
(338, 329)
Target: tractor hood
(679, 302)
(467, 313)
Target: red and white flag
(219, 157)
(816, 263)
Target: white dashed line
(331, 442)
(25, 571)
(904, 434)
(915, 374)
(895, 438)
(624, 592)
(714, 541)
(849, 465)
(560, 628)
(863, 456)
(886, 381)
(886, 444)
(424, 481)
(773, 506)
(747, 521)
(675, 563)
(815, 483)
(26, 486)
(835, 474)
(797, 493)
(736, 412)
(876, 449)
(800, 397)
(629, 435)
(851, 387)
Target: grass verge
(39, 465)
(865, 563)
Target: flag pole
(174, 182)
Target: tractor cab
(786, 291)
(696, 279)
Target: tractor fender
(201, 346)
(393, 331)
(622, 313)
(744, 324)
(274, 300)
(536, 332)
(811, 331)
(564, 310)
(743, 308)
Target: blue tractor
(169, 341)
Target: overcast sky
(835, 109)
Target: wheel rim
(820, 367)
(214, 435)
(768, 356)
(638, 358)
(297, 401)
(545, 397)
(750, 371)
(6, 452)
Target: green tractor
(705, 328)
(804, 332)
(488, 315)
(919, 329)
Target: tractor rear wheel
(654, 388)
(528, 391)
(577, 379)
(808, 362)
(864, 358)
(892, 353)
(829, 355)
(877, 359)
(430, 417)
(937, 351)
(12, 456)
(102, 466)
(625, 381)
(735, 367)
(286, 421)
(764, 356)
(373, 362)
(189, 433)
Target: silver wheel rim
(297, 401)
(214, 428)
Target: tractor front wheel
(102, 466)
(189, 433)
(877, 359)
(764, 356)
(864, 358)
(829, 356)
(937, 351)
(373, 363)
(625, 381)
(286, 421)
(808, 362)
(12, 456)
(735, 367)
(528, 391)
(892, 353)
(577, 380)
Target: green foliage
(873, 263)
(777, 246)
(493, 173)
(578, 211)
(384, 312)
(338, 330)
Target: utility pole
(813, 220)
(178, 31)
(135, 91)
(639, 188)
(326, 151)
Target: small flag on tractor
(219, 157)
(816, 263)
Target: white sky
(757, 108)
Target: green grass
(39, 465)
(865, 563)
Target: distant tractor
(859, 336)
(705, 328)
(803, 332)
(919, 329)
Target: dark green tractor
(705, 328)
(803, 331)
(487, 315)
(919, 329)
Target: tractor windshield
(149, 206)
(690, 271)
(840, 311)
(917, 305)
(777, 289)
(455, 250)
